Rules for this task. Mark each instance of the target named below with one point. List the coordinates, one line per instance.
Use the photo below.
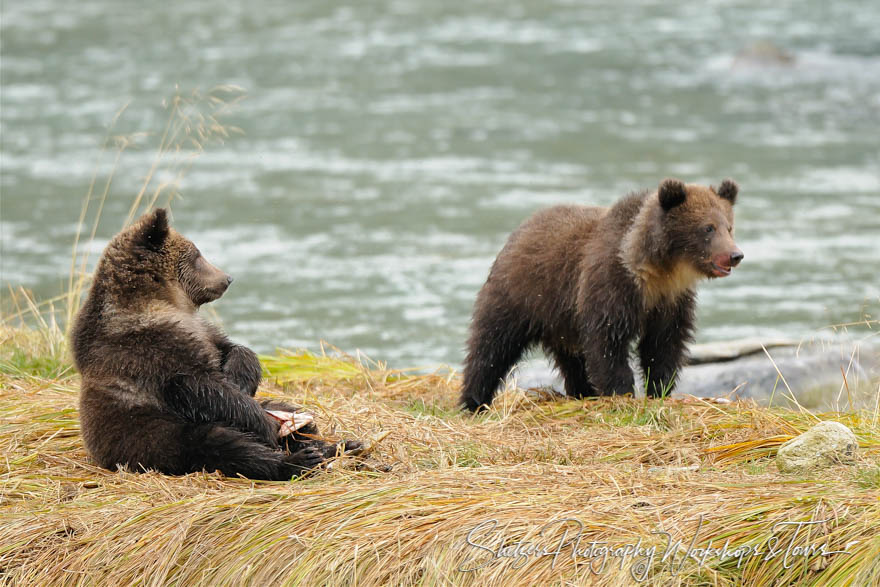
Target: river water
(389, 147)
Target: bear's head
(697, 224)
(151, 261)
(681, 233)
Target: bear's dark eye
(710, 228)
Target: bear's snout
(735, 257)
(229, 278)
(723, 264)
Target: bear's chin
(719, 270)
(207, 296)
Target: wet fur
(585, 282)
(162, 388)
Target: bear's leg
(660, 361)
(309, 435)
(145, 438)
(234, 453)
(607, 359)
(663, 348)
(242, 367)
(497, 341)
(574, 371)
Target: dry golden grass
(624, 468)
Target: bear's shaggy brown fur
(584, 282)
(164, 389)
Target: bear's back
(542, 259)
(548, 244)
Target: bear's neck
(659, 278)
(145, 300)
(665, 285)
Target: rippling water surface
(390, 147)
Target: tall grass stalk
(194, 121)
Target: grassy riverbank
(623, 468)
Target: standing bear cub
(164, 389)
(585, 282)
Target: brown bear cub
(585, 282)
(164, 389)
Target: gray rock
(825, 444)
(814, 371)
(719, 352)
(825, 375)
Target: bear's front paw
(305, 460)
(242, 367)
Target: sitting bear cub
(585, 282)
(164, 389)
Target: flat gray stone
(825, 444)
(719, 352)
(743, 370)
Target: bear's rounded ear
(153, 229)
(728, 190)
(671, 193)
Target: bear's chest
(665, 287)
(202, 335)
(196, 337)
